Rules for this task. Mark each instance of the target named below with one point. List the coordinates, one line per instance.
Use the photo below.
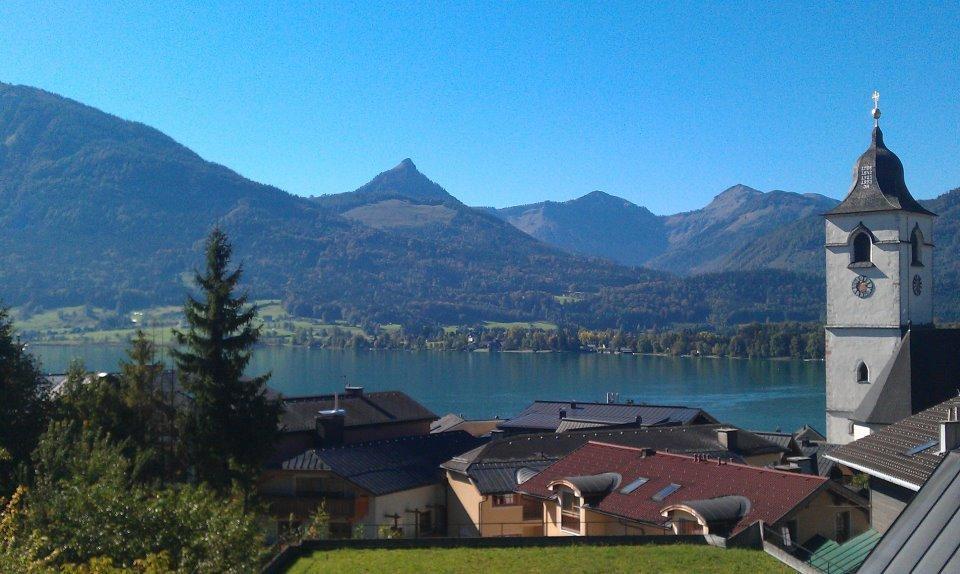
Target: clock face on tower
(917, 285)
(862, 286)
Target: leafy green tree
(97, 401)
(90, 509)
(232, 425)
(24, 405)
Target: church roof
(905, 453)
(878, 183)
(924, 371)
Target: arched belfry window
(863, 374)
(916, 244)
(861, 247)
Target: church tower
(879, 255)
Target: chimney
(329, 425)
(639, 420)
(727, 437)
(950, 430)
(646, 451)
(353, 391)
(573, 405)
(563, 413)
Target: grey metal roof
(446, 422)
(924, 370)
(569, 425)
(878, 183)
(595, 484)
(548, 415)
(784, 440)
(362, 409)
(885, 451)
(729, 508)
(924, 538)
(385, 466)
(503, 477)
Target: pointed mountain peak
(405, 165)
(407, 181)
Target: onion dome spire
(878, 182)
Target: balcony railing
(303, 506)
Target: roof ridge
(693, 459)
(541, 401)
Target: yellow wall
(819, 516)
(470, 513)
(463, 506)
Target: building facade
(879, 273)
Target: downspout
(480, 517)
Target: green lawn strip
(521, 325)
(685, 559)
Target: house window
(532, 509)
(863, 374)
(425, 522)
(504, 499)
(843, 526)
(569, 511)
(861, 248)
(916, 241)
(664, 492)
(790, 532)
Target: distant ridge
(718, 237)
(98, 210)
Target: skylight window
(665, 492)
(922, 447)
(634, 485)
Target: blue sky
(665, 104)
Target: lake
(754, 394)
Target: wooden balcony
(304, 506)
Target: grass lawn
(685, 559)
(520, 325)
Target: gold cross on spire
(876, 108)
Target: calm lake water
(751, 394)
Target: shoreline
(29, 344)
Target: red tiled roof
(772, 493)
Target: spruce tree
(231, 427)
(24, 405)
(151, 405)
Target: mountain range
(722, 236)
(99, 210)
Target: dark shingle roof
(878, 183)
(885, 451)
(924, 371)
(924, 537)
(361, 409)
(772, 494)
(546, 415)
(501, 477)
(545, 448)
(385, 466)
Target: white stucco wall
(869, 329)
(424, 498)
